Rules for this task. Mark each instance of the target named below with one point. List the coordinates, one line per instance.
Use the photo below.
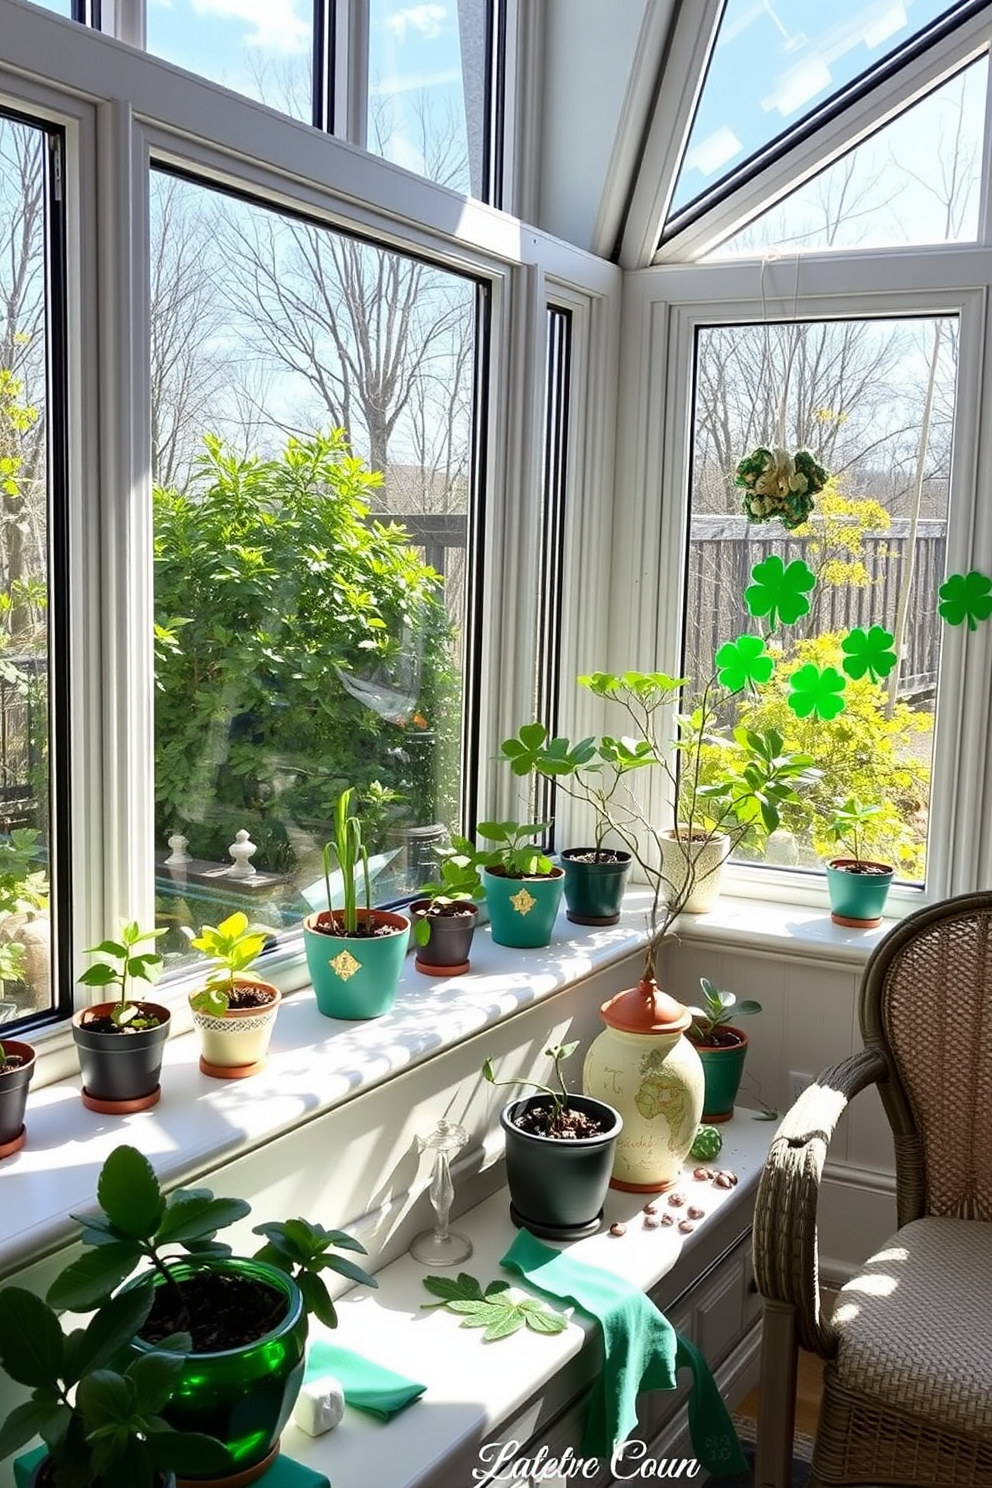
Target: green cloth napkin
(641, 1351)
(367, 1386)
(284, 1472)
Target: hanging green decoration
(779, 485)
(966, 597)
(869, 651)
(779, 591)
(817, 691)
(743, 662)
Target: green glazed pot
(723, 1066)
(522, 911)
(244, 1396)
(857, 899)
(594, 891)
(356, 976)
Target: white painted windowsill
(316, 1063)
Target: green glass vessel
(242, 1396)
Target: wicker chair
(907, 1397)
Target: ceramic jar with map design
(643, 1064)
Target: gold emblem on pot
(523, 902)
(345, 965)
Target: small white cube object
(319, 1405)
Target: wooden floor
(809, 1377)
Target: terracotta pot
(234, 1044)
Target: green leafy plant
(347, 853)
(102, 1426)
(717, 1010)
(122, 964)
(234, 945)
(499, 1314)
(515, 852)
(558, 1053)
(138, 1222)
(23, 882)
(848, 827)
(459, 884)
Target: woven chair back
(926, 1002)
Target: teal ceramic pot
(356, 976)
(723, 1066)
(594, 891)
(857, 899)
(245, 1396)
(522, 911)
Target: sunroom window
(313, 425)
(32, 491)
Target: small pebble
(686, 1226)
(618, 1229)
(676, 1200)
(695, 1212)
(668, 1219)
(723, 1180)
(650, 1221)
(701, 1174)
(650, 1208)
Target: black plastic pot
(447, 950)
(594, 891)
(557, 1186)
(14, 1096)
(120, 1070)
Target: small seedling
(459, 883)
(124, 964)
(515, 852)
(848, 827)
(235, 945)
(559, 1098)
(718, 1010)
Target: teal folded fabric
(284, 1472)
(367, 1386)
(641, 1351)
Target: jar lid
(646, 1009)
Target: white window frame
(662, 309)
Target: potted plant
(592, 773)
(445, 914)
(559, 1154)
(101, 1425)
(523, 887)
(246, 1317)
(858, 886)
(16, 1069)
(120, 1044)
(355, 954)
(721, 1047)
(234, 1013)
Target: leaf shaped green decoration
(966, 597)
(817, 691)
(493, 1311)
(869, 651)
(779, 591)
(742, 662)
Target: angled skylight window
(917, 180)
(779, 67)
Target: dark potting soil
(570, 1126)
(447, 912)
(219, 1311)
(605, 855)
(249, 997)
(327, 926)
(720, 1038)
(107, 1024)
(12, 1062)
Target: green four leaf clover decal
(779, 591)
(869, 651)
(818, 691)
(966, 597)
(743, 661)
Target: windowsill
(316, 1063)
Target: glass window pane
(263, 49)
(61, 7)
(915, 181)
(312, 412)
(427, 89)
(777, 63)
(25, 981)
(873, 400)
